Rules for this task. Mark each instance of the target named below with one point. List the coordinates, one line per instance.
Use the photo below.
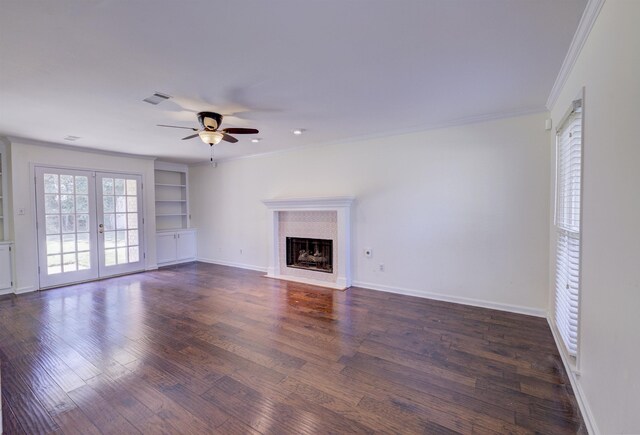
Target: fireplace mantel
(342, 206)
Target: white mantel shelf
(342, 206)
(323, 203)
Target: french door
(89, 225)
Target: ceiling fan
(210, 122)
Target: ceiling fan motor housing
(209, 120)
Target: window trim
(577, 104)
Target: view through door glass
(119, 209)
(89, 225)
(66, 226)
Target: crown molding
(585, 25)
(458, 122)
(78, 148)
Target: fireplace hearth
(310, 254)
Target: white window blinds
(568, 181)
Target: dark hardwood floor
(200, 348)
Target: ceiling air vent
(156, 98)
(72, 138)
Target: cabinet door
(186, 245)
(5, 267)
(166, 247)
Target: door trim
(64, 277)
(125, 268)
(33, 167)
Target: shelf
(175, 230)
(171, 201)
(4, 196)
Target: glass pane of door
(120, 223)
(65, 201)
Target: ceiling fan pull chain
(211, 154)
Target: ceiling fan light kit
(210, 121)
(210, 137)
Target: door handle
(100, 228)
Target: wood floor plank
(212, 415)
(200, 348)
(100, 412)
(54, 399)
(74, 421)
(25, 405)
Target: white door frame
(34, 168)
(64, 277)
(120, 268)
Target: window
(568, 200)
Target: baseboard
(151, 267)
(26, 289)
(6, 291)
(173, 263)
(409, 292)
(232, 264)
(581, 398)
(455, 299)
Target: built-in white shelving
(175, 240)
(172, 202)
(4, 209)
(6, 246)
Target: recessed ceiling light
(256, 140)
(72, 138)
(298, 131)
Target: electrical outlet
(381, 267)
(368, 252)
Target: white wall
(609, 353)
(23, 157)
(457, 213)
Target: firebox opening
(310, 254)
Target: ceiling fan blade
(229, 138)
(176, 126)
(241, 130)
(190, 137)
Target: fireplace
(310, 254)
(321, 220)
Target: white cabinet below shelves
(166, 246)
(176, 246)
(6, 281)
(186, 245)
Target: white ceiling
(340, 69)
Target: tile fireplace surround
(307, 217)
